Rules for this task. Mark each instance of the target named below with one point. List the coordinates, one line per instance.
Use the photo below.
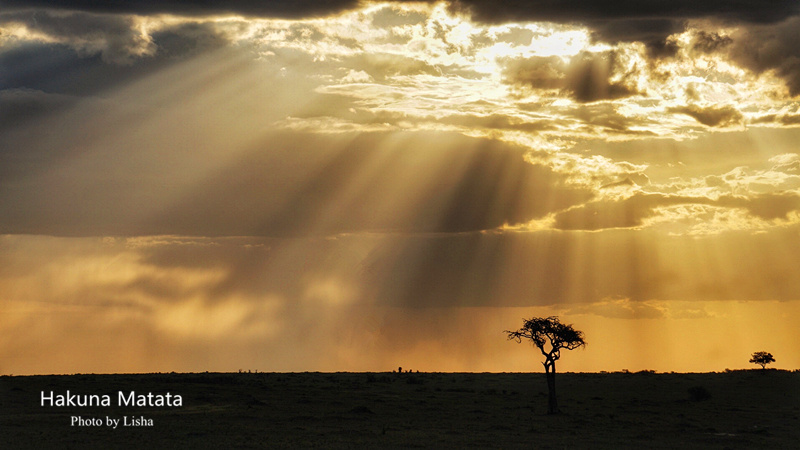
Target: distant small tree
(550, 336)
(762, 359)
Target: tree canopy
(762, 359)
(550, 330)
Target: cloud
(382, 65)
(625, 308)
(402, 270)
(392, 89)
(757, 47)
(32, 65)
(590, 10)
(604, 115)
(586, 77)
(781, 119)
(763, 40)
(508, 269)
(287, 281)
(763, 48)
(711, 116)
(626, 213)
(483, 10)
(622, 308)
(397, 176)
(538, 72)
(465, 122)
(628, 21)
(117, 38)
(278, 305)
(269, 8)
(710, 41)
(496, 122)
(86, 60)
(654, 32)
(769, 206)
(589, 79)
(787, 163)
(764, 37)
(631, 212)
(189, 39)
(392, 16)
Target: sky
(357, 186)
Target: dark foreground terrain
(740, 409)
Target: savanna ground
(738, 409)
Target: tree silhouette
(550, 336)
(762, 359)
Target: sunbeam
(366, 185)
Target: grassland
(739, 409)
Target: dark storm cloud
(86, 61)
(485, 10)
(268, 8)
(767, 39)
(40, 79)
(774, 47)
(114, 37)
(188, 39)
(633, 16)
(764, 41)
(32, 66)
(650, 22)
(593, 11)
(653, 32)
(709, 42)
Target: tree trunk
(552, 403)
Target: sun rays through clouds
(213, 185)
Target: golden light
(397, 192)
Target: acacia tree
(550, 336)
(762, 359)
